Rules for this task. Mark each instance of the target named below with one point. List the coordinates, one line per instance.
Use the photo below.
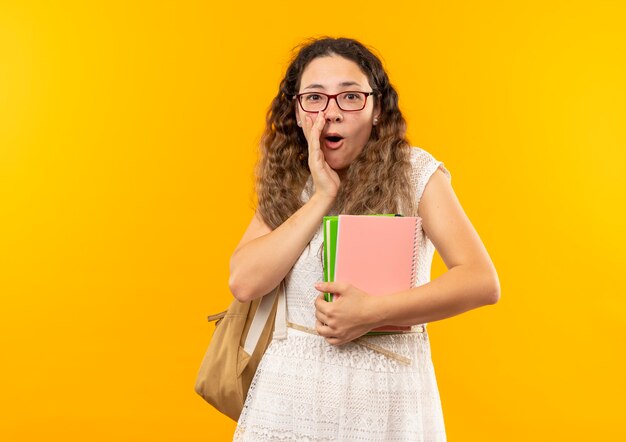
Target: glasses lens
(313, 102)
(351, 101)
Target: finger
(325, 308)
(321, 303)
(330, 287)
(316, 130)
(318, 124)
(322, 329)
(321, 317)
(334, 341)
(307, 123)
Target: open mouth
(333, 141)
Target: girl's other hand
(351, 314)
(325, 179)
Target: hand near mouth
(325, 179)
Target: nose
(333, 113)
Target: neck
(342, 173)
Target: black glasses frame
(329, 97)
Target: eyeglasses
(346, 101)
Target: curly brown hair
(377, 181)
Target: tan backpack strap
(217, 316)
(260, 319)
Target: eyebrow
(343, 84)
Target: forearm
(259, 266)
(460, 289)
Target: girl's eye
(352, 97)
(312, 97)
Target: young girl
(335, 143)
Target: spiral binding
(414, 262)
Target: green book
(330, 248)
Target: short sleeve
(424, 165)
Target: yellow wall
(127, 141)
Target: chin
(337, 166)
(336, 161)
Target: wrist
(377, 311)
(323, 199)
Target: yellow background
(128, 135)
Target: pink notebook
(378, 254)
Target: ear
(298, 119)
(377, 112)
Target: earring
(300, 123)
(375, 121)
